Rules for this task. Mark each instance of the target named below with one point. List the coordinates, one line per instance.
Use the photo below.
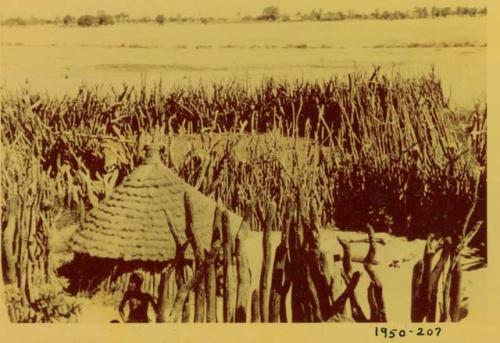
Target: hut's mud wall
(89, 274)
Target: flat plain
(59, 59)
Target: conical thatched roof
(130, 224)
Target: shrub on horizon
(105, 19)
(160, 19)
(68, 20)
(87, 20)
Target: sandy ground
(396, 280)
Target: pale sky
(224, 8)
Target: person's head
(135, 282)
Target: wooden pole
(340, 303)
(23, 262)
(266, 263)
(284, 292)
(186, 308)
(199, 256)
(211, 279)
(316, 261)
(244, 274)
(379, 305)
(183, 293)
(417, 311)
(8, 243)
(229, 287)
(337, 278)
(280, 283)
(372, 302)
(455, 291)
(429, 252)
(163, 294)
(436, 273)
(313, 302)
(255, 316)
(178, 265)
(295, 242)
(347, 274)
(446, 291)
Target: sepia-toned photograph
(244, 162)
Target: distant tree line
(416, 13)
(270, 13)
(67, 20)
(26, 21)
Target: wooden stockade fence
(296, 286)
(440, 283)
(299, 268)
(27, 263)
(188, 290)
(300, 273)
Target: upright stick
(243, 269)
(211, 279)
(255, 315)
(229, 287)
(199, 256)
(266, 263)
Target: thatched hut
(128, 230)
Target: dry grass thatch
(131, 223)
